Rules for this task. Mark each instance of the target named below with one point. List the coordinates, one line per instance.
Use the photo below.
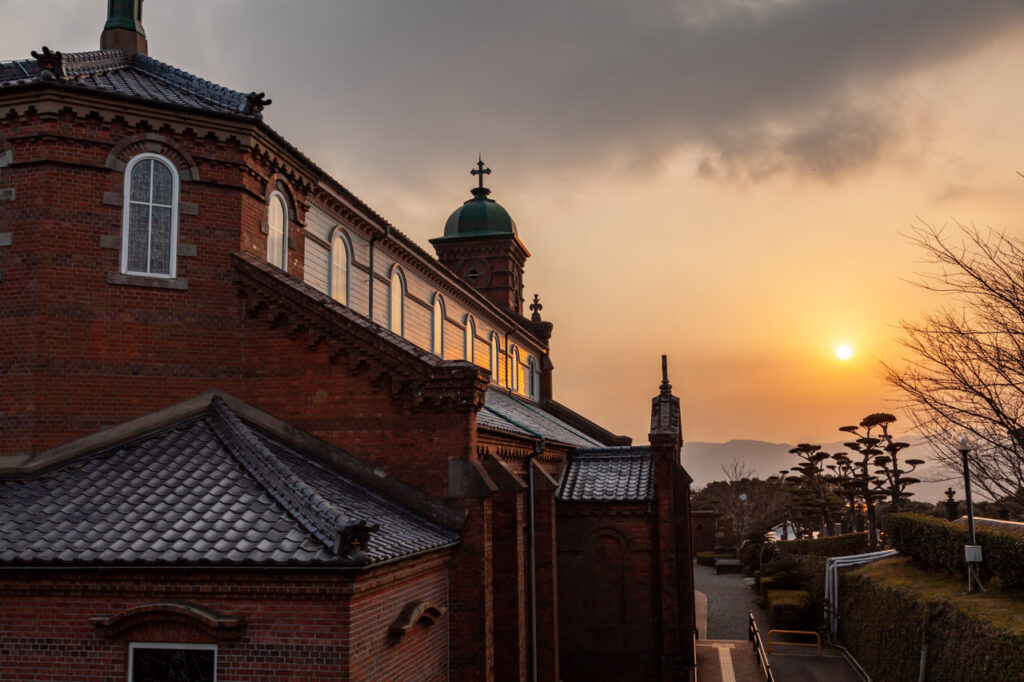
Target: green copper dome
(480, 216)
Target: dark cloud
(808, 87)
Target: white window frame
(126, 213)
(342, 236)
(437, 316)
(495, 358)
(397, 276)
(469, 338)
(132, 646)
(278, 194)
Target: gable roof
(608, 475)
(137, 77)
(506, 413)
(209, 490)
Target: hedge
(836, 545)
(883, 626)
(790, 609)
(708, 558)
(936, 543)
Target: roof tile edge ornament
(342, 535)
(255, 102)
(51, 64)
(210, 622)
(418, 611)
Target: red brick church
(250, 430)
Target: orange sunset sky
(724, 181)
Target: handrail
(759, 651)
(816, 636)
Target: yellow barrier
(817, 637)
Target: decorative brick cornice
(410, 372)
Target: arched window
(534, 378)
(277, 231)
(495, 358)
(396, 302)
(341, 259)
(437, 327)
(469, 343)
(149, 235)
(513, 370)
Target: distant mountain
(704, 462)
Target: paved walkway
(729, 600)
(725, 655)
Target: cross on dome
(480, 170)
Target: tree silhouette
(877, 447)
(965, 370)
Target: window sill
(176, 283)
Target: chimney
(123, 29)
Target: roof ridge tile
(317, 515)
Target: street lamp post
(972, 553)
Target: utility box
(972, 553)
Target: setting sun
(844, 352)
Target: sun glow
(844, 352)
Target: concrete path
(724, 653)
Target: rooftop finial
(536, 307)
(481, 171)
(666, 387)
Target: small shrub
(708, 558)
(790, 609)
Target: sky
(728, 182)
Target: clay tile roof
(608, 475)
(503, 412)
(138, 77)
(209, 490)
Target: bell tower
(123, 29)
(481, 245)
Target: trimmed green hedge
(790, 609)
(936, 543)
(883, 627)
(836, 545)
(708, 558)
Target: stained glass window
(150, 223)
(172, 663)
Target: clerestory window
(149, 240)
(469, 342)
(277, 231)
(341, 259)
(437, 327)
(396, 302)
(495, 358)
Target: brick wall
(307, 625)
(607, 592)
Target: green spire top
(126, 14)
